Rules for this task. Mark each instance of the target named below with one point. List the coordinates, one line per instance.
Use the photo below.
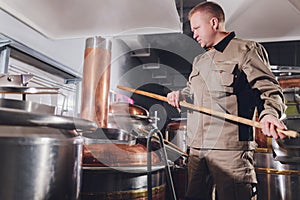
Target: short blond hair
(213, 8)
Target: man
(232, 76)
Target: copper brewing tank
(118, 169)
(132, 118)
(96, 80)
(113, 168)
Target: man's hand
(173, 98)
(270, 124)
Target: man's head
(207, 21)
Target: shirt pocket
(224, 73)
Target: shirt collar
(223, 43)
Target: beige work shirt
(237, 81)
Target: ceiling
(62, 19)
(267, 20)
(264, 21)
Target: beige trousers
(221, 175)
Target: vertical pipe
(96, 80)
(4, 59)
(149, 164)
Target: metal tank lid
(15, 117)
(20, 135)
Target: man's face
(202, 28)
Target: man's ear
(215, 23)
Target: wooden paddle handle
(241, 120)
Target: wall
(121, 64)
(67, 52)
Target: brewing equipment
(15, 80)
(277, 162)
(132, 118)
(18, 85)
(27, 106)
(39, 163)
(40, 152)
(292, 98)
(40, 155)
(96, 79)
(276, 179)
(115, 167)
(176, 133)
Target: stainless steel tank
(278, 166)
(39, 163)
(276, 180)
(40, 155)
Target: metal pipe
(4, 55)
(96, 80)
(149, 166)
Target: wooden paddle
(289, 133)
